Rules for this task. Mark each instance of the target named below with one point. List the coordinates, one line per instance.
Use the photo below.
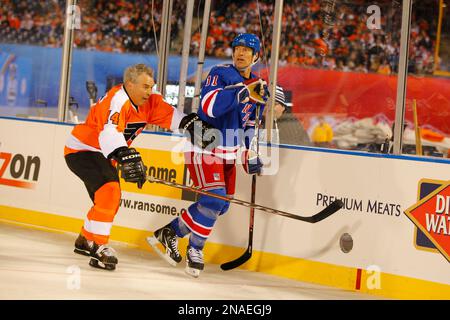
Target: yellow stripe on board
(380, 284)
(401, 287)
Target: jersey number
(114, 118)
(214, 81)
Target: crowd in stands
(134, 26)
(116, 26)
(32, 22)
(352, 45)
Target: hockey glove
(251, 162)
(255, 90)
(130, 164)
(201, 133)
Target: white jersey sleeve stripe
(208, 102)
(110, 139)
(176, 119)
(117, 102)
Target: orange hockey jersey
(114, 121)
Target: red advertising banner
(361, 95)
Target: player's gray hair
(133, 72)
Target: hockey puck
(346, 243)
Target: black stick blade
(237, 262)
(328, 211)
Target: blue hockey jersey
(220, 107)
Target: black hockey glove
(201, 133)
(131, 165)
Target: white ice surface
(40, 264)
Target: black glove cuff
(115, 153)
(188, 121)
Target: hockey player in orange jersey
(95, 147)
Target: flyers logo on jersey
(132, 130)
(431, 215)
(16, 168)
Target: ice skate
(103, 257)
(167, 237)
(83, 246)
(194, 262)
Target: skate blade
(192, 272)
(99, 265)
(82, 252)
(154, 243)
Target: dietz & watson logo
(431, 215)
(17, 170)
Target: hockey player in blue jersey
(229, 98)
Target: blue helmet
(247, 40)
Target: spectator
(322, 134)
(384, 68)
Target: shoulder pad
(223, 69)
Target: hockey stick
(328, 14)
(325, 213)
(248, 253)
(417, 129)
